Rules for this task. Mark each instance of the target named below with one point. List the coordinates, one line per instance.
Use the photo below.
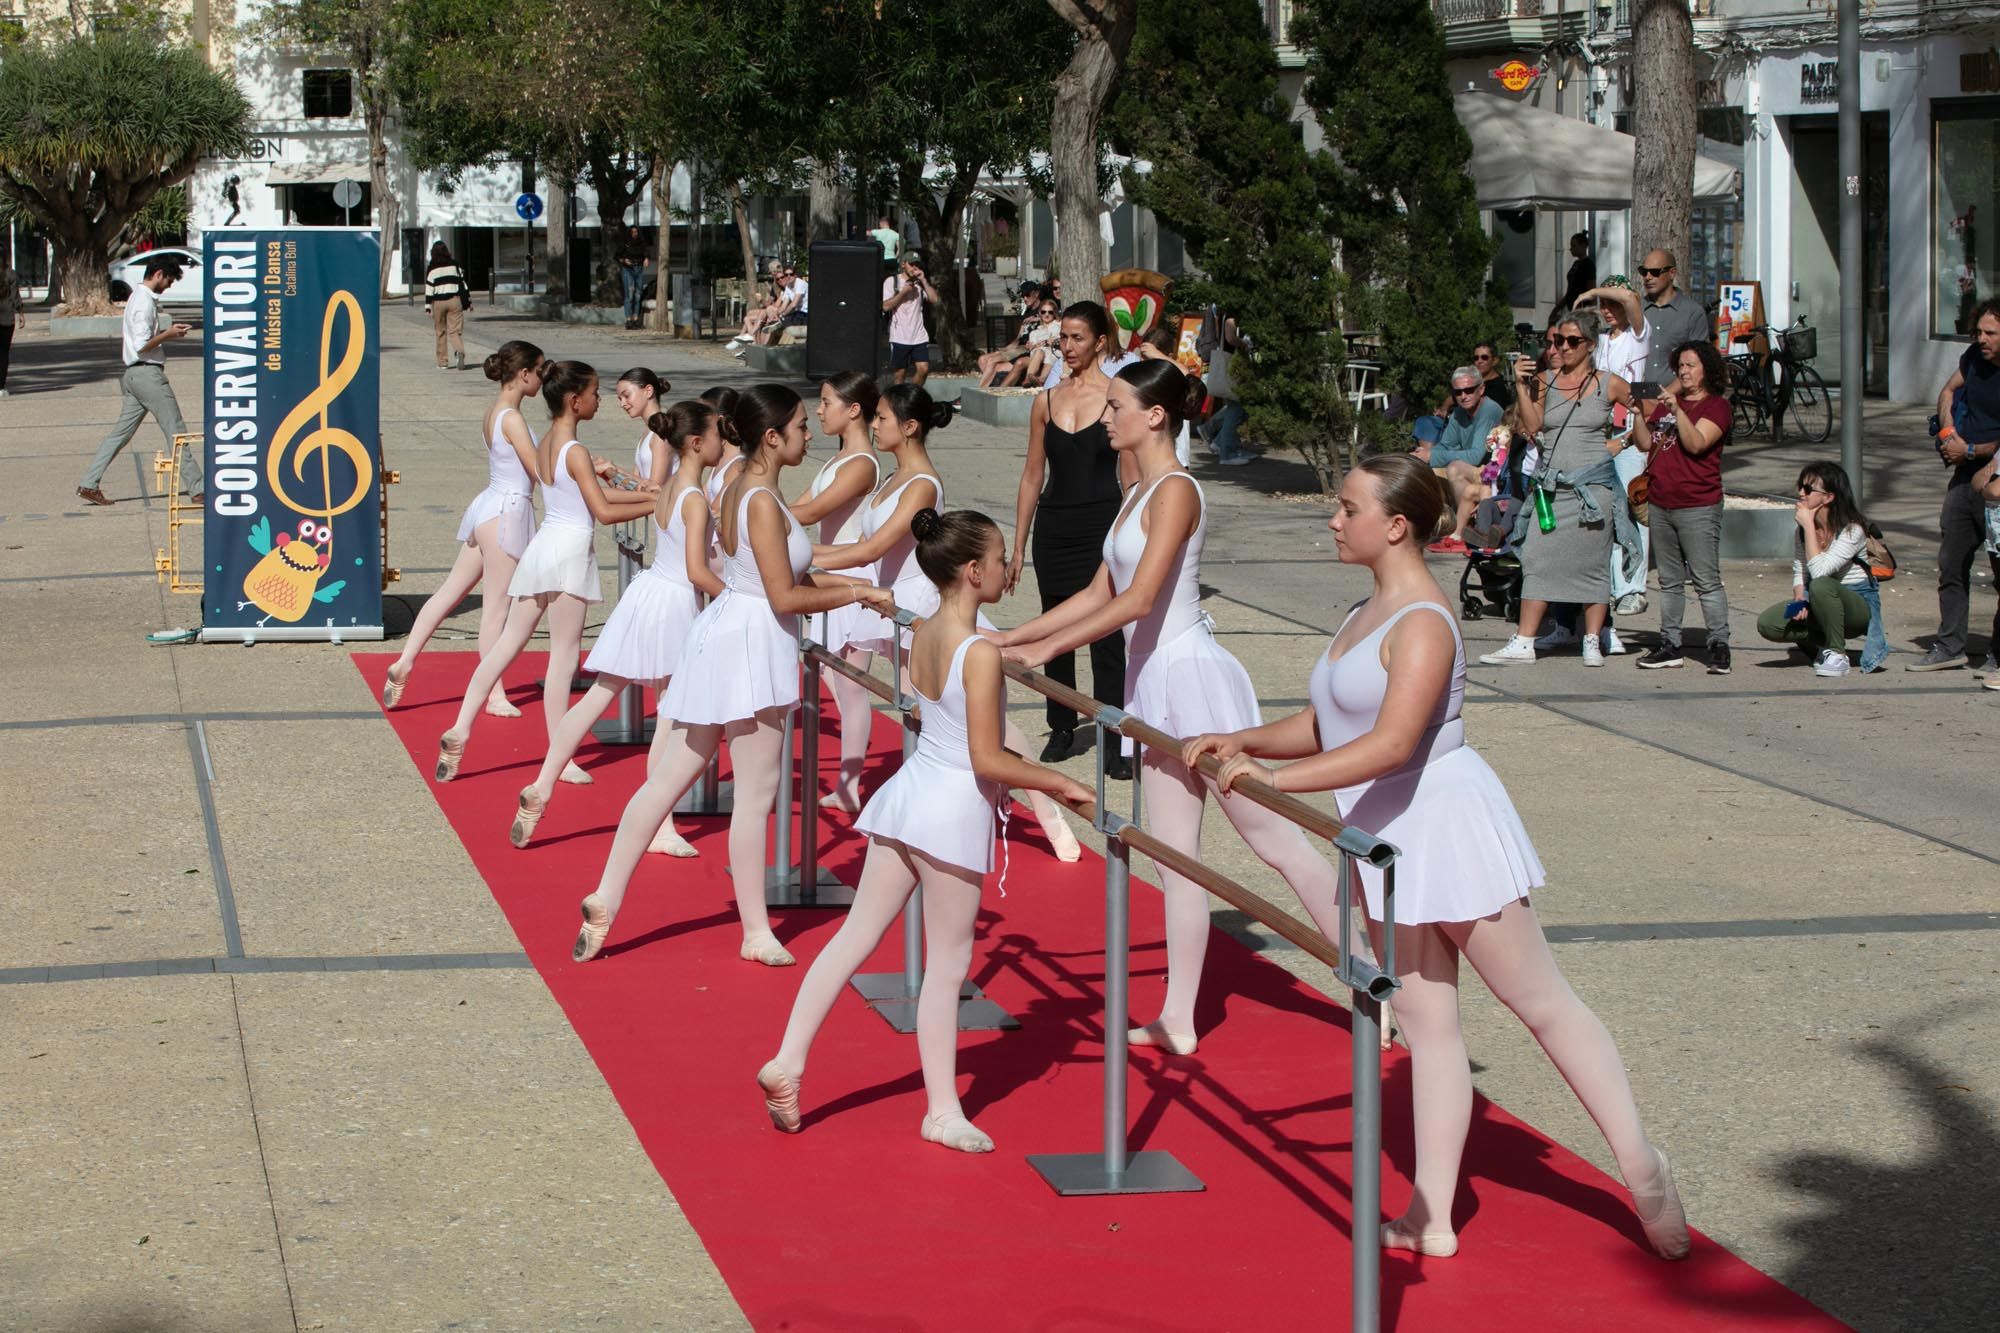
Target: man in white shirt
(145, 382)
(791, 311)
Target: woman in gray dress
(1569, 560)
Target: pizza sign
(1515, 75)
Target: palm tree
(93, 128)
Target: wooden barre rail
(852, 672)
(1306, 937)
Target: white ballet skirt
(643, 637)
(562, 558)
(1177, 677)
(1465, 853)
(934, 803)
(507, 497)
(898, 571)
(741, 656)
(836, 629)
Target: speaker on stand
(844, 309)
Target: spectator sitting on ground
(1009, 365)
(1461, 448)
(1486, 360)
(1031, 298)
(791, 311)
(1829, 570)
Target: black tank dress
(1078, 506)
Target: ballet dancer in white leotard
(930, 825)
(1384, 735)
(1177, 677)
(903, 421)
(496, 529)
(723, 399)
(738, 676)
(642, 396)
(641, 642)
(847, 403)
(557, 575)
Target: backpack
(1881, 560)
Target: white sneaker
(1613, 645)
(1593, 652)
(1831, 663)
(1631, 604)
(5, 394)
(1518, 652)
(1558, 636)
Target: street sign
(529, 206)
(346, 194)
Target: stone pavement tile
(129, 1163)
(444, 1154)
(272, 677)
(336, 846)
(104, 830)
(90, 658)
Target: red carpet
(856, 1224)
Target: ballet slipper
(393, 686)
(1660, 1213)
(1400, 1235)
(781, 1097)
(596, 925)
(954, 1131)
(765, 949)
(451, 752)
(575, 776)
(1056, 829)
(531, 809)
(1156, 1034)
(669, 842)
(499, 705)
(840, 800)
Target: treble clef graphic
(325, 436)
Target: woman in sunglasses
(1830, 573)
(1578, 510)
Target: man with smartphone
(144, 383)
(903, 298)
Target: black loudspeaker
(844, 309)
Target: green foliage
(1199, 100)
(1405, 207)
(166, 215)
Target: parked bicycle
(1766, 387)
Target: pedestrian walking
(632, 274)
(1968, 435)
(12, 318)
(144, 383)
(447, 298)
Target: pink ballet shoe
(1660, 1213)
(955, 1132)
(531, 809)
(393, 687)
(574, 775)
(1156, 1034)
(499, 705)
(1400, 1235)
(765, 949)
(668, 842)
(596, 925)
(781, 1097)
(451, 752)
(1056, 830)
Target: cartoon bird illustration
(285, 583)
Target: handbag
(464, 297)
(1881, 560)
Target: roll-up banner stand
(293, 535)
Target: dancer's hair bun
(942, 412)
(926, 524)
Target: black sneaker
(1718, 659)
(1062, 744)
(1663, 656)
(1117, 768)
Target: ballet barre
(1117, 1170)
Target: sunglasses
(1813, 490)
(1645, 272)
(1482, 356)
(1465, 393)
(1566, 340)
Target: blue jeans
(1875, 651)
(1222, 433)
(634, 283)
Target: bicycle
(1764, 388)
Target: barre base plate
(782, 889)
(1075, 1174)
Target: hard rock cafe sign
(1516, 75)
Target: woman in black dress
(1068, 448)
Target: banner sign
(293, 541)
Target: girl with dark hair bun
(496, 529)
(1147, 586)
(724, 400)
(847, 404)
(557, 575)
(737, 678)
(1068, 450)
(639, 394)
(1384, 735)
(903, 420)
(641, 642)
(930, 828)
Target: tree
(1104, 31)
(1199, 101)
(1663, 125)
(92, 129)
(1405, 209)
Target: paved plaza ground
(275, 1060)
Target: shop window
(328, 94)
(1965, 198)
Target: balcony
(1473, 26)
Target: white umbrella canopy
(1524, 157)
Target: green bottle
(1545, 512)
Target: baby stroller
(1491, 583)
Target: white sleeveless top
(718, 479)
(504, 471)
(897, 567)
(935, 803)
(739, 569)
(843, 523)
(562, 500)
(642, 458)
(670, 544)
(1178, 608)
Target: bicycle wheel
(1811, 407)
(1746, 408)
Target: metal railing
(1114, 1168)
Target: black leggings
(1068, 548)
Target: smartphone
(1645, 391)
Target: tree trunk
(1104, 34)
(739, 208)
(823, 215)
(662, 320)
(77, 277)
(941, 224)
(620, 177)
(556, 289)
(388, 209)
(1663, 123)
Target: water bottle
(1545, 511)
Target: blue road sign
(529, 206)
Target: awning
(317, 173)
(1525, 157)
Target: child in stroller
(1490, 559)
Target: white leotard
(934, 803)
